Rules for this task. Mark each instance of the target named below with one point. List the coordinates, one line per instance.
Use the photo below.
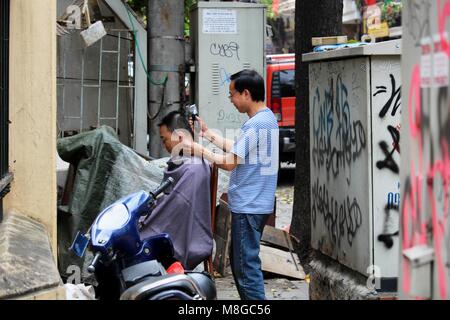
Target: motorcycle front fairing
(115, 231)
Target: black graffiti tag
(394, 99)
(389, 162)
(338, 141)
(387, 236)
(391, 216)
(225, 50)
(342, 218)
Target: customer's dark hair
(176, 120)
(252, 81)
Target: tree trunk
(317, 18)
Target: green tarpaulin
(106, 170)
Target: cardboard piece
(281, 262)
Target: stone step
(26, 261)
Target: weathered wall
(33, 111)
(425, 165)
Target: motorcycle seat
(136, 273)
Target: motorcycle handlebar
(92, 266)
(162, 187)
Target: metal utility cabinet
(227, 37)
(355, 106)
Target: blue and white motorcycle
(129, 268)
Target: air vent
(215, 75)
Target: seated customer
(184, 212)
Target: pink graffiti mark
(409, 202)
(441, 167)
(415, 100)
(413, 233)
(442, 19)
(405, 241)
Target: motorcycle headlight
(114, 218)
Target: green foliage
(392, 13)
(139, 6)
(187, 7)
(270, 13)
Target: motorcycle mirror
(79, 244)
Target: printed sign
(380, 30)
(219, 21)
(440, 64)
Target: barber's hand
(191, 124)
(203, 127)
(187, 146)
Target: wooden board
(221, 260)
(281, 262)
(222, 237)
(276, 237)
(320, 41)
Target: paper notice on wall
(220, 21)
(425, 71)
(440, 64)
(425, 63)
(440, 69)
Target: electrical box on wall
(226, 37)
(355, 117)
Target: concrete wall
(33, 112)
(425, 165)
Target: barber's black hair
(176, 120)
(252, 81)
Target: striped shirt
(253, 182)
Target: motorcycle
(129, 268)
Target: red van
(280, 98)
